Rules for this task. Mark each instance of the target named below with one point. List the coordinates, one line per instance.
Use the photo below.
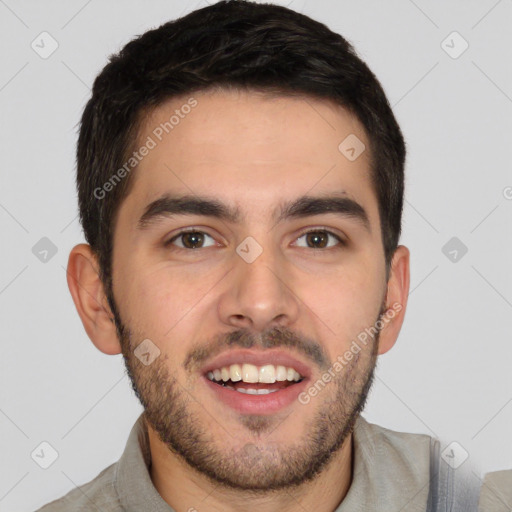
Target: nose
(259, 295)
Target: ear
(90, 299)
(396, 299)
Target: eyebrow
(170, 205)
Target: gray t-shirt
(393, 472)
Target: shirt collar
(132, 480)
(391, 470)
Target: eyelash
(342, 242)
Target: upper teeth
(250, 373)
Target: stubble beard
(182, 424)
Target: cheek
(163, 301)
(345, 304)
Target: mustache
(276, 337)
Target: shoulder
(420, 463)
(496, 494)
(99, 493)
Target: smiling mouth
(254, 380)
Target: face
(280, 270)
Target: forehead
(246, 147)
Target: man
(240, 177)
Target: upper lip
(257, 358)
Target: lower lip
(257, 404)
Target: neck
(185, 489)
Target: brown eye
(319, 239)
(190, 239)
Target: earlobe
(396, 299)
(90, 300)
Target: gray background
(449, 373)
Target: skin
(249, 151)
